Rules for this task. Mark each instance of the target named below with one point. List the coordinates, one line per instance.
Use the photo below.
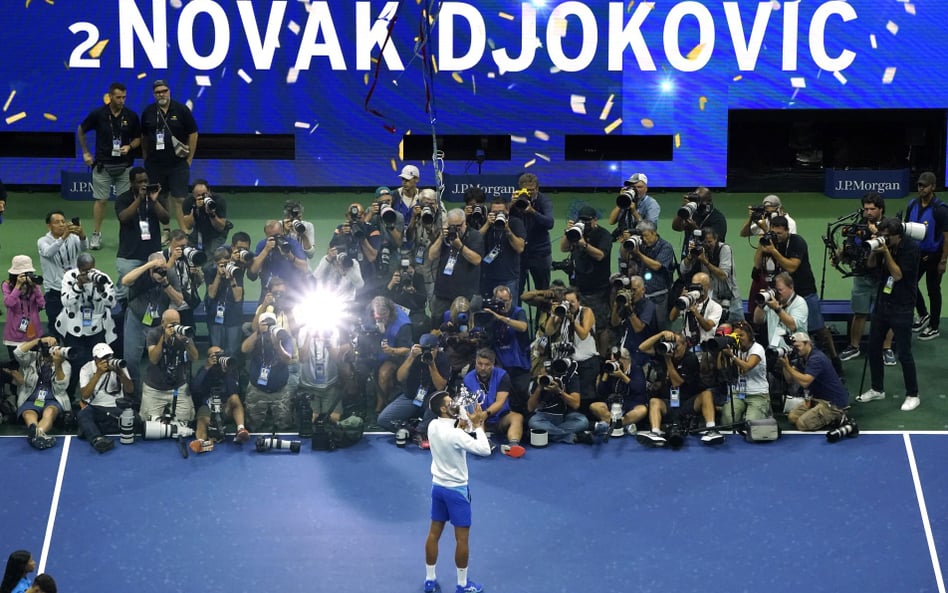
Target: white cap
(268, 318)
(409, 171)
(102, 351)
(800, 337)
(636, 177)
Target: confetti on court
(695, 52)
(738, 77)
(301, 125)
(647, 123)
(578, 104)
(16, 117)
(529, 163)
(294, 27)
(702, 101)
(457, 78)
(98, 48)
(244, 76)
(518, 139)
(910, 8)
(292, 75)
(872, 41)
(889, 75)
(50, 116)
(505, 16)
(202, 80)
(892, 27)
(606, 108)
(542, 156)
(798, 82)
(9, 100)
(611, 127)
(839, 76)
(541, 135)
(677, 140)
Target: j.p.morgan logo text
(860, 185)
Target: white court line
(923, 509)
(54, 506)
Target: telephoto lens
(194, 257)
(299, 227)
(185, 331)
(847, 428)
(116, 364)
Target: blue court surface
(796, 515)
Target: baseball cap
(409, 171)
(800, 337)
(428, 341)
(102, 351)
(382, 191)
(636, 177)
(268, 318)
(772, 200)
(160, 82)
(587, 212)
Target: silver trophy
(464, 404)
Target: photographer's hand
(415, 351)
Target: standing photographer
(320, 387)
(714, 258)
(898, 258)
(825, 395)
(424, 372)
(171, 351)
(270, 349)
(58, 250)
(141, 211)
(426, 218)
(184, 272)
(933, 213)
(23, 298)
(339, 274)
(279, 256)
(216, 392)
(406, 288)
(391, 226)
(697, 212)
(301, 230)
(759, 217)
(503, 244)
(205, 218)
(655, 260)
(41, 394)
(633, 205)
(536, 211)
(102, 381)
(459, 251)
(224, 300)
(509, 337)
(590, 247)
(150, 294)
(573, 325)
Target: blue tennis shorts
(451, 504)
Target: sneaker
(421, 440)
(870, 395)
(920, 323)
(585, 437)
(929, 333)
(888, 357)
(95, 241)
(712, 437)
(432, 587)
(242, 436)
(470, 587)
(102, 444)
(849, 353)
(911, 402)
(41, 440)
(631, 430)
(651, 439)
(601, 428)
(199, 446)
(515, 451)
(617, 431)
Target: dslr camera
(282, 244)
(575, 232)
(847, 429)
(764, 296)
(688, 300)
(768, 238)
(478, 215)
(627, 196)
(521, 199)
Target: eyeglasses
(161, 92)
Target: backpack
(329, 435)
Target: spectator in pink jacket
(23, 299)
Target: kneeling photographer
(682, 395)
(622, 400)
(216, 394)
(41, 387)
(508, 337)
(825, 397)
(424, 372)
(554, 401)
(269, 395)
(742, 361)
(102, 381)
(494, 384)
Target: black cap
(160, 82)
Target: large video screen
(537, 71)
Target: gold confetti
(647, 123)
(506, 16)
(141, 75)
(106, 98)
(529, 163)
(558, 26)
(190, 104)
(892, 27)
(798, 82)
(889, 75)
(628, 7)
(9, 100)
(839, 76)
(541, 135)
(695, 52)
(518, 139)
(606, 108)
(578, 104)
(543, 156)
(365, 79)
(702, 101)
(50, 116)
(50, 2)
(677, 140)
(611, 127)
(16, 117)
(394, 165)
(244, 76)
(738, 77)
(28, 3)
(97, 49)
(434, 63)
(457, 78)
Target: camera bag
(329, 435)
(762, 431)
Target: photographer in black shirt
(205, 218)
(590, 247)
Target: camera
(500, 221)
(765, 296)
(632, 243)
(343, 259)
(116, 364)
(75, 221)
(66, 352)
(357, 230)
(688, 300)
(623, 299)
(282, 244)
(564, 265)
(611, 366)
(626, 198)
(161, 272)
(665, 347)
(231, 268)
(478, 215)
(546, 381)
(195, 257)
(495, 305)
(185, 331)
(98, 279)
(847, 428)
(153, 188)
(615, 415)
(245, 257)
(298, 226)
(768, 238)
(278, 332)
(264, 444)
(353, 213)
(619, 281)
(561, 366)
(875, 243)
(225, 362)
(521, 199)
(696, 244)
(561, 310)
(388, 215)
(401, 437)
(452, 234)
(688, 211)
(575, 232)
(427, 354)
(209, 203)
(427, 215)
(718, 343)
(758, 212)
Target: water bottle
(127, 426)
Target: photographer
(749, 394)
(216, 393)
(683, 393)
(406, 288)
(391, 225)
(554, 401)
(102, 381)
(633, 318)
(361, 241)
(224, 300)
(269, 393)
(509, 338)
(503, 244)
(205, 218)
(58, 250)
(716, 259)
(458, 251)
(542, 300)
(573, 325)
(408, 195)
(495, 384)
(652, 258)
(171, 351)
(759, 217)
(86, 318)
(150, 294)
(929, 210)
(184, 272)
(536, 212)
(320, 387)
(784, 312)
(633, 205)
(620, 382)
(23, 298)
(302, 230)
(590, 247)
(427, 216)
(825, 395)
(423, 372)
(475, 206)
(460, 337)
(339, 274)
(279, 256)
(41, 393)
(394, 329)
(697, 212)
(898, 257)
(141, 211)
(702, 314)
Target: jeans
(401, 409)
(901, 325)
(226, 337)
(133, 344)
(54, 305)
(539, 267)
(565, 431)
(94, 421)
(124, 266)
